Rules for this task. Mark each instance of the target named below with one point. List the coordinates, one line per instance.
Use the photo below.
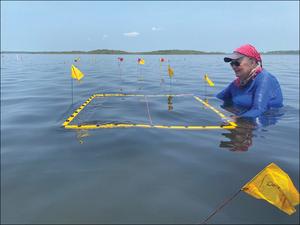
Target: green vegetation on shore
(119, 52)
(159, 52)
(177, 52)
(287, 52)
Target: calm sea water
(53, 175)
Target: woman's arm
(226, 93)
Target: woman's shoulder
(266, 79)
(265, 75)
(266, 72)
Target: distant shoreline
(159, 52)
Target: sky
(149, 25)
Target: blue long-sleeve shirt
(256, 97)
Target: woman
(255, 90)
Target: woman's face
(242, 67)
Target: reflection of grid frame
(66, 124)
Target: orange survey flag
(275, 186)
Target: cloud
(131, 34)
(156, 28)
(104, 36)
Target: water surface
(53, 175)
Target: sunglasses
(236, 62)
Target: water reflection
(240, 138)
(80, 134)
(170, 103)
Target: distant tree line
(159, 52)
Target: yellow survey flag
(275, 186)
(210, 83)
(141, 61)
(170, 71)
(76, 73)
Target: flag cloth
(141, 61)
(170, 71)
(275, 186)
(210, 83)
(76, 73)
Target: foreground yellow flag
(170, 71)
(275, 186)
(210, 83)
(76, 73)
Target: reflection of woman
(240, 137)
(254, 90)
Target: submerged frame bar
(66, 124)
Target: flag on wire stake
(161, 60)
(77, 75)
(271, 184)
(140, 61)
(210, 83)
(276, 187)
(120, 60)
(171, 74)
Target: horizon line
(109, 51)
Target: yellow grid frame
(230, 125)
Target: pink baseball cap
(245, 50)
